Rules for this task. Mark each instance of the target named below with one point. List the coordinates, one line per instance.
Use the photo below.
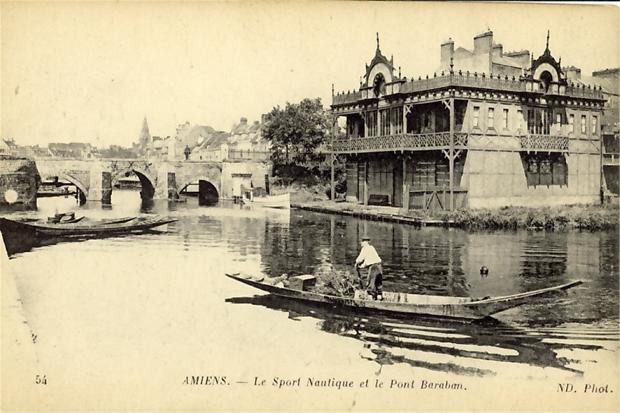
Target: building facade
(518, 134)
(610, 130)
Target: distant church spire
(144, 140)
(377, 40)
(547, 47)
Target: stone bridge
(160, 179)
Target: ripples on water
(571, 335)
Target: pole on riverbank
(451, 157)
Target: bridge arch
(83, 193)
(147, 182)
(208, 191)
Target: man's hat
(365, 238)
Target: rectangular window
(476, 116)
(505, 115)
(397, 118)
(491, 117)
(372, 123)
(571, 123)
(545, 169)
(558, 118)
(547, 122)
(531, 121)
(520, 120)
(385, 123)
(594, 125)
(583, 124)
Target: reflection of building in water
(299, 249)
(414, 261)
(488, 129)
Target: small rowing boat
(118, 226)
(464, 308)
(281, 201)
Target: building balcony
(544, 143)
(400, 142)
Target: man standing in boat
(369, 258)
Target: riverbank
(314, 197)
(588, 217)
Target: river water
(161, 299)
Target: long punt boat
(122, 225)
(463, 308)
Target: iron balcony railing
(249, 155)
(549, 143)
(399, 142)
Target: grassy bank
(589, 217)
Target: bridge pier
(161, 182)
(106, 188)
(173, 191)
(100, 188)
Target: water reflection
(571, 334)
(477, 349)
(447, 262)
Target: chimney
(243, 121)
(483, 42)
(572, 73)
(497, 50)
(447, 51)
(522, 57)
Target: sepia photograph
(309, 206)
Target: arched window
(379, 84)
(546, 78)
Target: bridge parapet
(160, 179)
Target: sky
(91, 72)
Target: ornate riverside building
(488, 130)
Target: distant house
(37, 151)
(8, 146)
(246, 142)
(214, 147)
(77, 150)
(195, 139)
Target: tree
(296, 133)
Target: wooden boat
(464, 308)
(282, 201)
(74, 220)
(114, 220)
(83, 229)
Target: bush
(585, 217)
